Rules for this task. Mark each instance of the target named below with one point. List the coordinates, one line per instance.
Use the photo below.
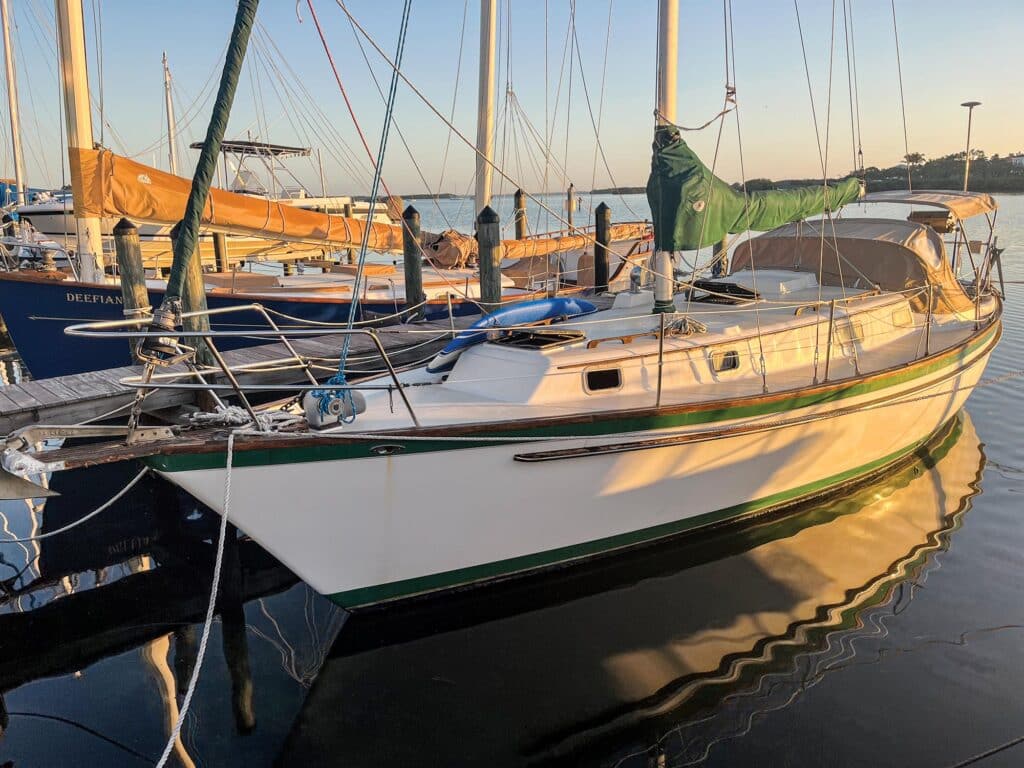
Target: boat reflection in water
(675, 649)
(99, 630)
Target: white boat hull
(364, 530)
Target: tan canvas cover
(450, 249)
(108, 185)
(895, 255)
(963, 205)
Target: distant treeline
(988, 174)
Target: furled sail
(692, 208)
(107, 185)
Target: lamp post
(967, 157)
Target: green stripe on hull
(598, 427)
(366, 596)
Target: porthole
(725, 361)
(601, 379)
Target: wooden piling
(193, 299)
(520, 214)
(488, 235)
(128, 252)
(412, 257)
(602, 239)
(570, 204)
(347, 213)
(220, 251)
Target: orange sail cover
(108, 185)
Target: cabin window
(902, 318)
(603, 379)
(850, 331)
(725, 361)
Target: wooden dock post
(220, 251)
(602, 239)
(193, 299)
(520, 214)
(128, 252)
(488, 235)
(570, 204)
(412, 258)
(347, 213)
(134, 296)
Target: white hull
(429, 520)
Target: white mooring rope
(209, 610)
(81, 520)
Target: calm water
(884, 627)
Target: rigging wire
(434, 195)
(596, 123)
(731, 52)
(903, 104)
(568, 102)
(856, 89)
(323, 126)
(455, 97)
(600, 103)
(97, 23)
(325, 398)
(857, 149)
(420, 95)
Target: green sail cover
(692, 208)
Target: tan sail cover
(893, 254)
(108, 185)
(105, 184)
(451, 248)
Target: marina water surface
(883, 626)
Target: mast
(78, 116)
(12, 103)
(668, 57)
(668, 49)
(172, 130)
(485, 105)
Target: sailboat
(39, 301)
(613, 653)
(833, 348)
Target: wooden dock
(87, 396)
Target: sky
(595, 116)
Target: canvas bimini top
(892, 254)
(963, 205)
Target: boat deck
(88, 396)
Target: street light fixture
(967, 157)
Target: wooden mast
(78, 116)
(485, 105)
(12, 104)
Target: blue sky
(950, 53)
